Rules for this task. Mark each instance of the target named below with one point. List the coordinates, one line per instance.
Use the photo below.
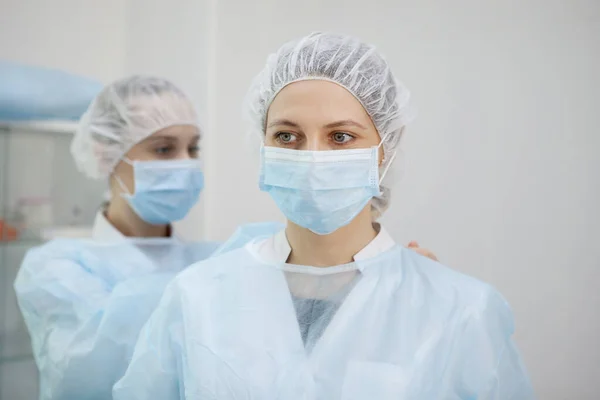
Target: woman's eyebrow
(161, 137)
(284, 122)
(346, 122)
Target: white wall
(499, 178)
(79, 36)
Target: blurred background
(500, 169)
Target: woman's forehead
(175, 133)
(316, 100)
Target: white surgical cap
(123, 114)
(350, 63)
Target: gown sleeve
(82, 329)
(492, 368)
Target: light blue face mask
(320, 190)
(165, 191)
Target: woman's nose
(184, 155)
(314, 142)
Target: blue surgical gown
(84, 303)
(394, 326)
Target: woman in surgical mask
(331, 307)
(85, 301)
(142, 134)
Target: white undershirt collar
(277, 248)
(104, 231)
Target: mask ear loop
(389, 164)
(387, 167)
(120, 182)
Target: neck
(126, 221)
(337, 248)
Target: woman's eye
(341, 137)
(163, 150)
(286, 137)
(194, 149)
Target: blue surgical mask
(320, 190)
(165, 190)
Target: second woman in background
(84, 301)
